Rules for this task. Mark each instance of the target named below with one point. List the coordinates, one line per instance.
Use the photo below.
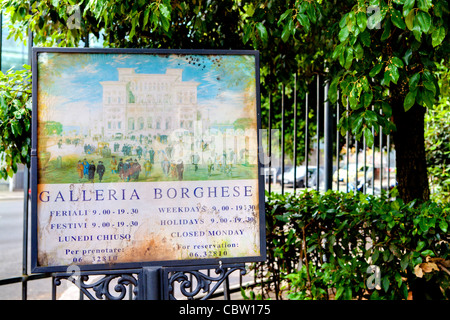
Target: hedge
(338, 245)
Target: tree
(15, 121)
(380, 54)
(383, 65)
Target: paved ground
(7, 195)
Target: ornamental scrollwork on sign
(102, 287)
(193, 281)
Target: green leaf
(393, 73)
(385, 283)
(165, 23)
(438, 36)
(407, 56)
(165, 11)
(443, 225)
(404, 261)
(332, 91)
(397, 62)
(369, 137)
(397, 19)
(409, 100)
(387, 30)
(367, 97)
(428, 253)
(303, 20)
(409, 20)
(146, 15)
(288, 27)
(361, 20)
(428, 98)
(284, 15)
(339, 292)
(311, 12)
(262, 32)
(420, 245)
(407, 6)
(413, 81)
(424, 21)
(387, 110)
(343, 34)
(349, 58)
(429, 85)
(375, 70)
(365, 38)
(247, 33)
(424, 5)
(359, 51)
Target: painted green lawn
(67, 173)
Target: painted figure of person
(180, 170)
(135, 170)
(147, 168)
(210, 166)
(86, 168)
(126, 170)
(120, 169)
(100, 170)
(91, 171)
(113, 165)
(165, 164)
(80, 169)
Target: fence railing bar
(365, 165)
(23, 278)
(356, 163)
(318, 130)
(295, 133)
(373, 158)
(306, 137)
(328, 145)
(270, 145)
(25, 232)
(282, 138)
(388, 143)
(337, 141)
(373, 162)
(347, 137)
(381, 158)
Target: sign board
(145, 157)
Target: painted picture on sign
(120, 118)
(145, 157)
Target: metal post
(337, 141)
(318, 131)
(282, 140)
(25, 233)
(295, 134)
(151, 284)
(270, 145)
(306, 138)
(328, 152)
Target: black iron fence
(315, 156)
(330, 160)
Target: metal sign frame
(37, 198)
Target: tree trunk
(409, 143)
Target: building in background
(148, 104)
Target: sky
(70, 82)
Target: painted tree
(380, 55)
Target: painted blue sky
(71, 80)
